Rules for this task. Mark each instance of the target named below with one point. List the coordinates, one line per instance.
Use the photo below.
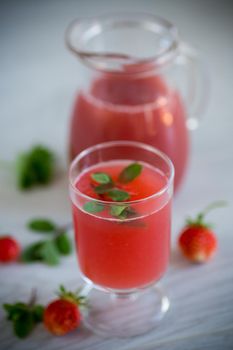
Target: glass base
(124, 314)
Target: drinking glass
(122, 259)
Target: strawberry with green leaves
(197, 241)
(63, 315)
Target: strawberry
(62, 315)
(197, 241)
(9, 249)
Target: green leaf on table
(38, 312)
(93, 207)
(49, 253)
(101, 178)
(49, 250)
(14, 310)
(26, 176)
(118, 195)
(41, 225)
(45, 251)
(32, 252)
(35, 167)
(42, 160)
(63, 244)
(130, 172)
(24, 324)
(24, 317)
(104, 188)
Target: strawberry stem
(199, 220)
(33, 297)
(210, 207)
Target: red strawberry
(197, 241)
(62, 315)
(198, 244)
(9, 249)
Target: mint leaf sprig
(35, 167)
(117, 211)
(129, 173)
(101, 178)
(106, 186)
(49, 250)
(93, 207)
(24, 316)
(124, 212)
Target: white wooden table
(38, 82)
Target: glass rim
(136, 144)
(159, 58)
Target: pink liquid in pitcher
(121, 107)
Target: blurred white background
(38, 83)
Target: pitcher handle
(198, 86)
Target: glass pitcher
(138, 82)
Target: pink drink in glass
(130, 253)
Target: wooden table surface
(38, 82)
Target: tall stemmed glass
(122, 245)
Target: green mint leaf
(41, 225)
(14, 310)
(130, 172)
(24, 325)
(42, 161)
(122, 211)
(32, 252)
(26, 176)
(34, 167)
(118, 195)
(38, 312)
(49, 253)
(24, 316)
(101, 178)
(63, 244)
(45, 251)
(104, 188)
(117, 210)
(93, 207)
(130, 212)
